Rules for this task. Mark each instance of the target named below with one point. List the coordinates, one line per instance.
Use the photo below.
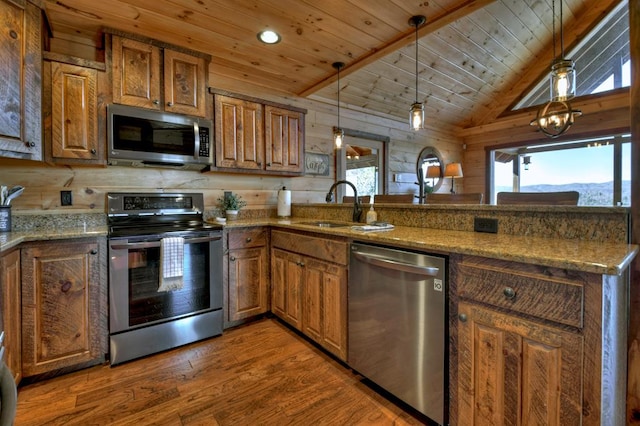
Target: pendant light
(416, 116)
(556, 116)
(563, 74)
(338, 133)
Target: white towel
(373, 228)
(171, 263)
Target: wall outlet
(485, 224)
(65, 198)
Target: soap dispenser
(372, 216)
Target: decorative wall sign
(316, 164)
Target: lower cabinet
(309, 287)
(247, 273)
(535, 345)
(514, 371)
(64, 305)
(11, 312)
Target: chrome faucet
(357, 208)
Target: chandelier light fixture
(338, 133)
(416, 116)
(556, 116)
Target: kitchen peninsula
(569, 310)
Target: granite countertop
(573, 254)
(9, 240)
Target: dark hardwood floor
(258, 374)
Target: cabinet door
(136, 73)
(324, 305)
(517, 372)
(20, 81)
(286, 283)
(74, 114)
(11, 312)
(248, 283)
(239, 133)
(284, 140)
(61, 302)
(184, 83)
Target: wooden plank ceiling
(475, 57)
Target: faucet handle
(329, 197)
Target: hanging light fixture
(556, 116)
(338, 133)
(416, 116)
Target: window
(602, 60)
(599, 169)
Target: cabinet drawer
(335, 251)
(247, 238)
(548, 294)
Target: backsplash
(609, 224)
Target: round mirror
(429, 169)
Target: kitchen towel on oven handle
(171, 263)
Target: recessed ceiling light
(269, 37)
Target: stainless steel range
(165, 273)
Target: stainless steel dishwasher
(398, 326)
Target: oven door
(134, 272)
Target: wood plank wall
(89, 185)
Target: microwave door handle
(196, 134)
(150, 244)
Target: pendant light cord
(553, 26)
(416, 62)
(339, 95)
(561, 33)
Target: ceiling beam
(433, 24)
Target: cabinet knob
(30, 144)
(170, 104)
(93, 151)
(93, 251)
(462, 317)
(249, 239)
(509, 293)
(156, 102)
(232, 258)
(301, 264)
(268, 164)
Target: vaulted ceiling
(475, 57)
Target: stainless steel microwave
(140, 137)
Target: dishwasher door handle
(385, 262)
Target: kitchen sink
(326, 224)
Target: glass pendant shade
(338, 137)
(563, 80)
(417, 116)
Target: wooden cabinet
(528, 345)
(71, 103)
(11, 311)
(252, 136)
(284, 140)
(239, 133)
(20, 80)
(63, 305)
(147, 75)
(309, 287)
(286, 286)
(248, 273)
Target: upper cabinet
(20, 80)
(72, 98)
(252, 135)
(153, 76)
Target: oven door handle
(150, 244)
